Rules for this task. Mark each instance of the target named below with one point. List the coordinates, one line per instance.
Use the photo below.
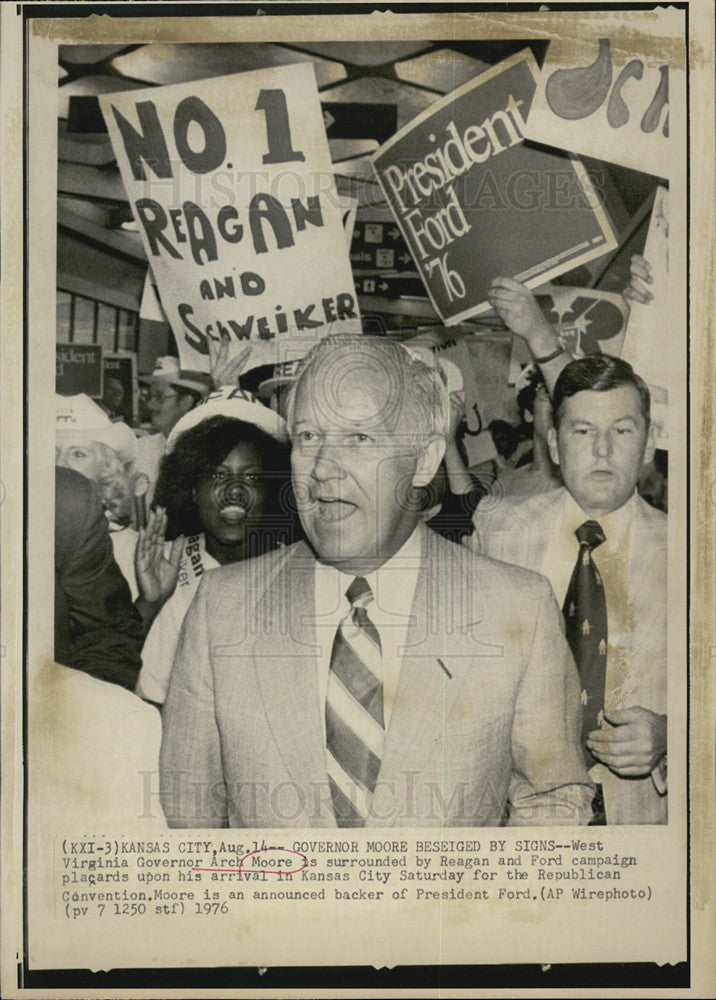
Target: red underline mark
(261, 871)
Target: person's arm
(550, 784)
(191, 777)
(105, 627)
(156, 572)
(517, 307)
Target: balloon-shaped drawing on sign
(579, 91)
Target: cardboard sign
(453, 347)
(609, 100)
(587, 321)
(231, 184)
(78, 368)
(473, 201)
(118, 395)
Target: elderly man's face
(601, 446)
(353, 462)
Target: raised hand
(640, 277)
(225, 371)
(156, 574)
(516, 305)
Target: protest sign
(78, 368)
(231, 184)
(587, 321)
(601, 99)
(474, 201)
(452, 346)
(118, 396)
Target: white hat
(230, 401)
(168, 368)
(288, 364)
(80, 414)
(283, 374)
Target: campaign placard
(474, 201)
(78, 368)
(231, 184)
(598, 98)
(118, 396)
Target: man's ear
(650, 446)
(186, 403)
(429, 460)
(552, 442)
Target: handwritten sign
(609, 100)
(231, 184)
(78, 368)
(587, 321)
(473, 201)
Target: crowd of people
(340, 623)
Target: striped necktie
(355, 730)
(585, 617)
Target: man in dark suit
(379, 675)
(601, 440)
(97, 628)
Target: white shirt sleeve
(159, 651)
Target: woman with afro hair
(224, 487)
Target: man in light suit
(601, 439)
(379, 675)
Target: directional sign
(382, 259)
(390, 287)
(378, 233)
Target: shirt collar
(384, 580)
(614, 525)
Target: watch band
(550, 357)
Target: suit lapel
(522, 533)
(431, 672)
(287, 676)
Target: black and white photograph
(363, 360)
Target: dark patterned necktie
(585, 616)
(355, 730)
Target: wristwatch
(550, 357)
